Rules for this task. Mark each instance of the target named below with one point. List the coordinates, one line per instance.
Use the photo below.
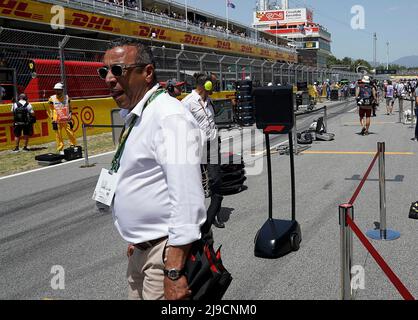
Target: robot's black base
(277, 238)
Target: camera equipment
(244, 109)
(275, 114)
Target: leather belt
(149, 244)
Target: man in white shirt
(155, 208)
(22, 115)
(401, 97)
(201, 107)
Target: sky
(395, 22)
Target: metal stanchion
(412, 113)
(382, 233)
(346, 242)
(86, 154)
(325, 118)
(400, 109)
(295, 136)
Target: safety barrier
(348, 226)
(85, 126)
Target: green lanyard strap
(125, 134)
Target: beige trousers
(145, 273)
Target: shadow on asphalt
(225, 213)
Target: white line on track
(54, 166)
(92, 157)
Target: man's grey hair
(23, 96)
(144, 54)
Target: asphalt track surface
(48, 219)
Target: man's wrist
(173, 273)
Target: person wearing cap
(173, 87)
(366, 97)
(200, 105)
(22, 114)
(60, 115)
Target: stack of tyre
(233, 174)
(244, 112)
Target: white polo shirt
(22, 102)
(203, 113)
(160, 192)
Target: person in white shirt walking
(200, 105)
(155, 208)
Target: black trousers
(416, 125)
(214, 171)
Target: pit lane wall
(40, 12)
(89, 111)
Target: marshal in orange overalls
(60, 114)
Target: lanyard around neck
(125, 133)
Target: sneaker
(363, 131)
(16, 149)
(219, 224)
(366, 133)
(25, 149)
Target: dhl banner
(88, 111)
(36, 11)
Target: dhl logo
(265, 52)
(247, 49)
(14, 7)
(223, 45)
(145, 31)
(196, 40)
(83, 20)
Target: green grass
(21, 161)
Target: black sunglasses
(117, 69)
